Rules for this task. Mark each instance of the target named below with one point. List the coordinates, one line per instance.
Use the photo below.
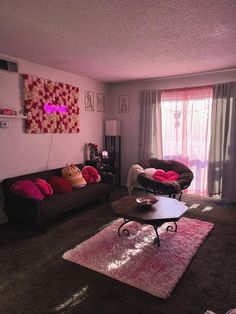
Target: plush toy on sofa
(73, 175)
(91, 174)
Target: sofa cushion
(59, 185)
(60, 203)
(26, 188)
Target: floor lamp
(113, 145)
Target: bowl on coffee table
(146, 201)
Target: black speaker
(8, 66)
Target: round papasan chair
(171, 188)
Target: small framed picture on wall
(100, 102)
(89, 100)
(124, 106)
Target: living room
(73, 43)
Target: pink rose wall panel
(51, 107)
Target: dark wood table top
(166, 209)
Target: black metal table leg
(157, 239)
(180, 195)
(171, 228)
(124, 231)
(155, 227)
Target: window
(186, 115)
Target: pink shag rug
(136, 260)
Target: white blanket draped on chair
(134, 171)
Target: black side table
(104, 166)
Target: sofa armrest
(23, 209)
(108, 178)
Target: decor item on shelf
(135, 260)
(124, 106)
(8, 111)
(51, 107)
(104, 154)
(89, 100)
(86, 151)
(93, 151)
(100, 102)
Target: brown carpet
(35, 279)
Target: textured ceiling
(119, 40)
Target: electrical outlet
(4, 124)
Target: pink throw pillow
(44, 187)
(59, 185)
(90, 174)
(161, 175)
(26, 188)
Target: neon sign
(50, 108)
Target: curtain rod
(188, 75)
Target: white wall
(130, 121)
(22, 153)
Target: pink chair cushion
(26, 188)
(91, 174)
(161, 175)
(44, 187)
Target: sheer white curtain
(186, 130)
(150, 140)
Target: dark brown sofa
(169, 188)
(36, 212)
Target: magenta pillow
(161, 175)
(90, 174)
(59, 185)
(26, 188)
(44, 187)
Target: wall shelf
(19, 116)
